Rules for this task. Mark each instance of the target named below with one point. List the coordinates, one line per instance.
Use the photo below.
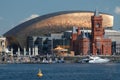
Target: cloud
(30, 17)
(117, 10)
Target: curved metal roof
(44, 17)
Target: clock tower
(97, 29)
(97, 33)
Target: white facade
(2, 44)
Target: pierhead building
(97, 44)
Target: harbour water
(62, 71)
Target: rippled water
(63, 71)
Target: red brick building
(97, 44)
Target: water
(110, 71)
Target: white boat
(45, 61)
(48, 61)
(96, 59)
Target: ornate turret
(74, 30)
(83, 34)
(96, 13)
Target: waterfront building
(109, 33)
(28, 34)
(3, 44)
(97, 43)
(45, 44)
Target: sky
(14, 12)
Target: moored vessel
(95, 59)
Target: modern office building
(47, 43)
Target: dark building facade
(97, 44)
(46, 44)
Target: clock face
(97, 25)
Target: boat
(95, 59)
(45, 61)
(61, 60)
(39, 73)
(48, 61)
(86, 60)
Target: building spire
(83, 35)
(96, 13)
(74, 30)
